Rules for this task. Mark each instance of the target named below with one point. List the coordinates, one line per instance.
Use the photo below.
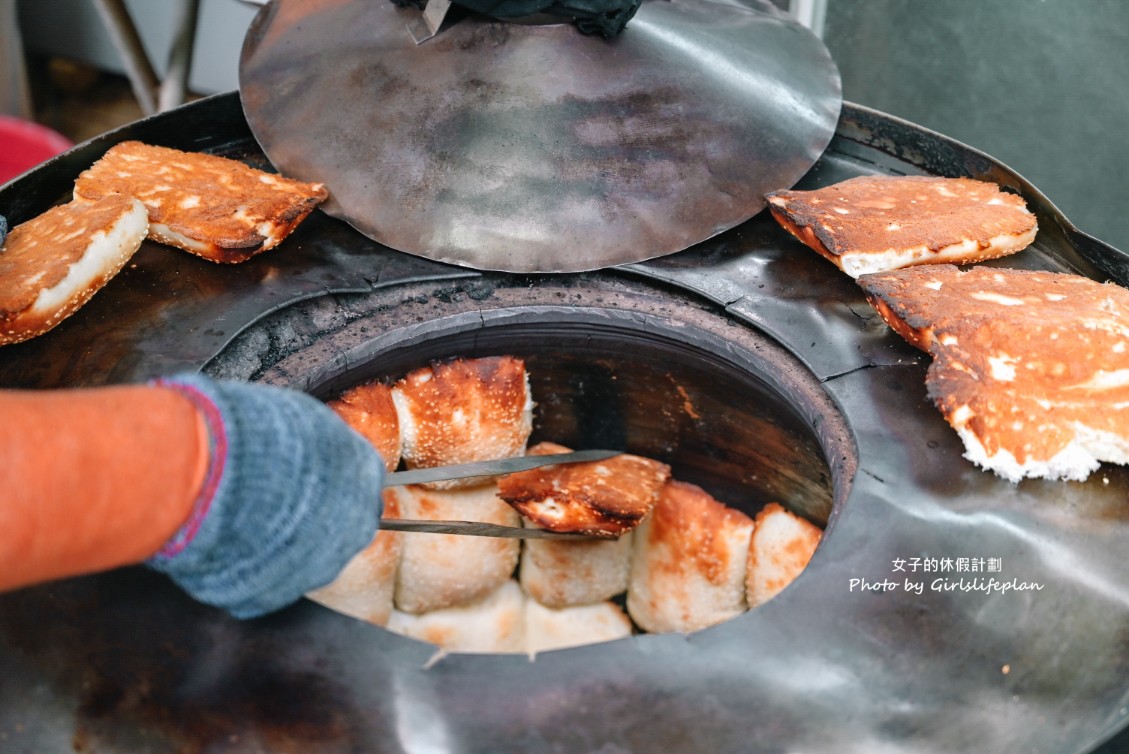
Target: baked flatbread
(781, 547)
(565, 574)
(1030, 368)
(688, 563)
(462, 411)
(602, 498)
(874, 223)
(369, 410)
(494, 623)
(547, 628)
(54, 263)
(365, 587)
(443, 570)
(216, 208)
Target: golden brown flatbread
(561, 574)
(602, 498)
(462, 411)
(443, 570)
(214, 207)
(54, 263)
(1030, 368)
(368, 409)
(781, 548)
(688, 564)
(875, 223)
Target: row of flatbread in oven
(684, 560)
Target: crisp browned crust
(689, 560)
(781, 548)
(40, 254)
(873, 223)
(1024, 362)
(805, 233)
(369, 410)
(602, 498)
(692, 522)
(219, 209)
(918, 336)
(464, 410)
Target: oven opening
(731, 412)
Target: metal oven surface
(123, 662)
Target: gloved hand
(291, 495)
(3, 229)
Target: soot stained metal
(123, 662)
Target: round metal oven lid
(533, 148)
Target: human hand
(291, 495)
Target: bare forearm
(93, 479)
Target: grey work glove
(291, 495)
(3, 229)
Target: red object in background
(24, 144)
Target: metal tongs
(496, 467)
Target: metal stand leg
(175, 86)
(15, 98)
(153, 94)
